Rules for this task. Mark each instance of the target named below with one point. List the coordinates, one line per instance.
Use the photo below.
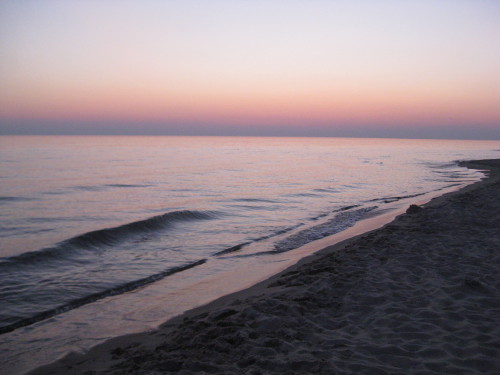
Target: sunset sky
(412, 68)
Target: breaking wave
(340, 222)
(105, 237)
(120, 289)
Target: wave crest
(119, 289)
(106, 237)
(343, 220)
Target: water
(113, 223)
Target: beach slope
(418, 296)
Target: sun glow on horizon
(232, 63)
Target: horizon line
(240, 136)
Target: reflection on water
(86, 217)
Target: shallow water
(88, 222)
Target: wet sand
(418, 296)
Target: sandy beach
(418, 296)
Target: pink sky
(224, 66)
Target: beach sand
(419, 296)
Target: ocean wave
(120, 289)
(340, 222)
(278, 232)
(302, 195)
(128, 185)
(6, 199)
(258, 200)
(326, 190)
(232, 249)
(397, 198)
(91, 188)
(245, 207)
(452, 185)
(106, 237)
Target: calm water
(90, 222)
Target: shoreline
(310, 317)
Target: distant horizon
(97, 128)
(276, 135)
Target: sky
(360, 68)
